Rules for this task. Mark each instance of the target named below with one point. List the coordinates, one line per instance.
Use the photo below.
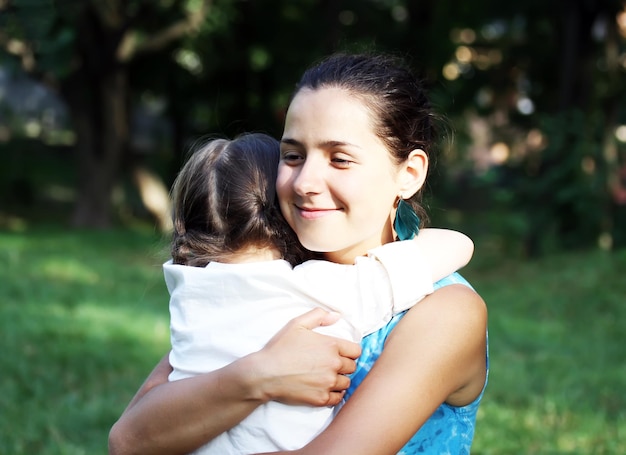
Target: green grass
(557, 330)
(83, 319)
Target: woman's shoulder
(378, 338)
(460, 295)
(454, 278)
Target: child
(238, 274)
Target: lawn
(83, 319)
(557, 328)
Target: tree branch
(130, 46)
(20, 49)
(109, 12)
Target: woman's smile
(313, 213)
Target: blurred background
(101, 100)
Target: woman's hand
(297, 366)
(300, 366)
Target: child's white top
(222, 312)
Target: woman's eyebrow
(321, 145)
(331, 144)
(289, 141)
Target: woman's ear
(414, 172)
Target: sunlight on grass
(557, 372)
(544, 427)
(84, 318)
(68, 270)
(106, 322)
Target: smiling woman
(358, 138)
(336, 179)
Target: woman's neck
(349, 254)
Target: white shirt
(222, 312)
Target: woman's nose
(309, 179)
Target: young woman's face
(336, 182)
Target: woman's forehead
(329, 114)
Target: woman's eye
(341, 162)
(291, 157)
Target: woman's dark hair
(225, 200)
(403, 117)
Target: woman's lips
(311, 213)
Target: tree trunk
(577, 55)
(96, 94)
(101, 125)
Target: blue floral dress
(450, 429)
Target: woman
(357, 142)
(232, 288)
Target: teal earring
(407, 223)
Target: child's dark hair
(225, 201)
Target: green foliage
(48, 29)
(35, 183)
(83, 319)
(236, 71)
(549, 200)
(561, 191)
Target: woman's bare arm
(435, 354)
(298, 366)
(178, 417)
(156, 377)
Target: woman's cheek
(284, 190)
(283, 182)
